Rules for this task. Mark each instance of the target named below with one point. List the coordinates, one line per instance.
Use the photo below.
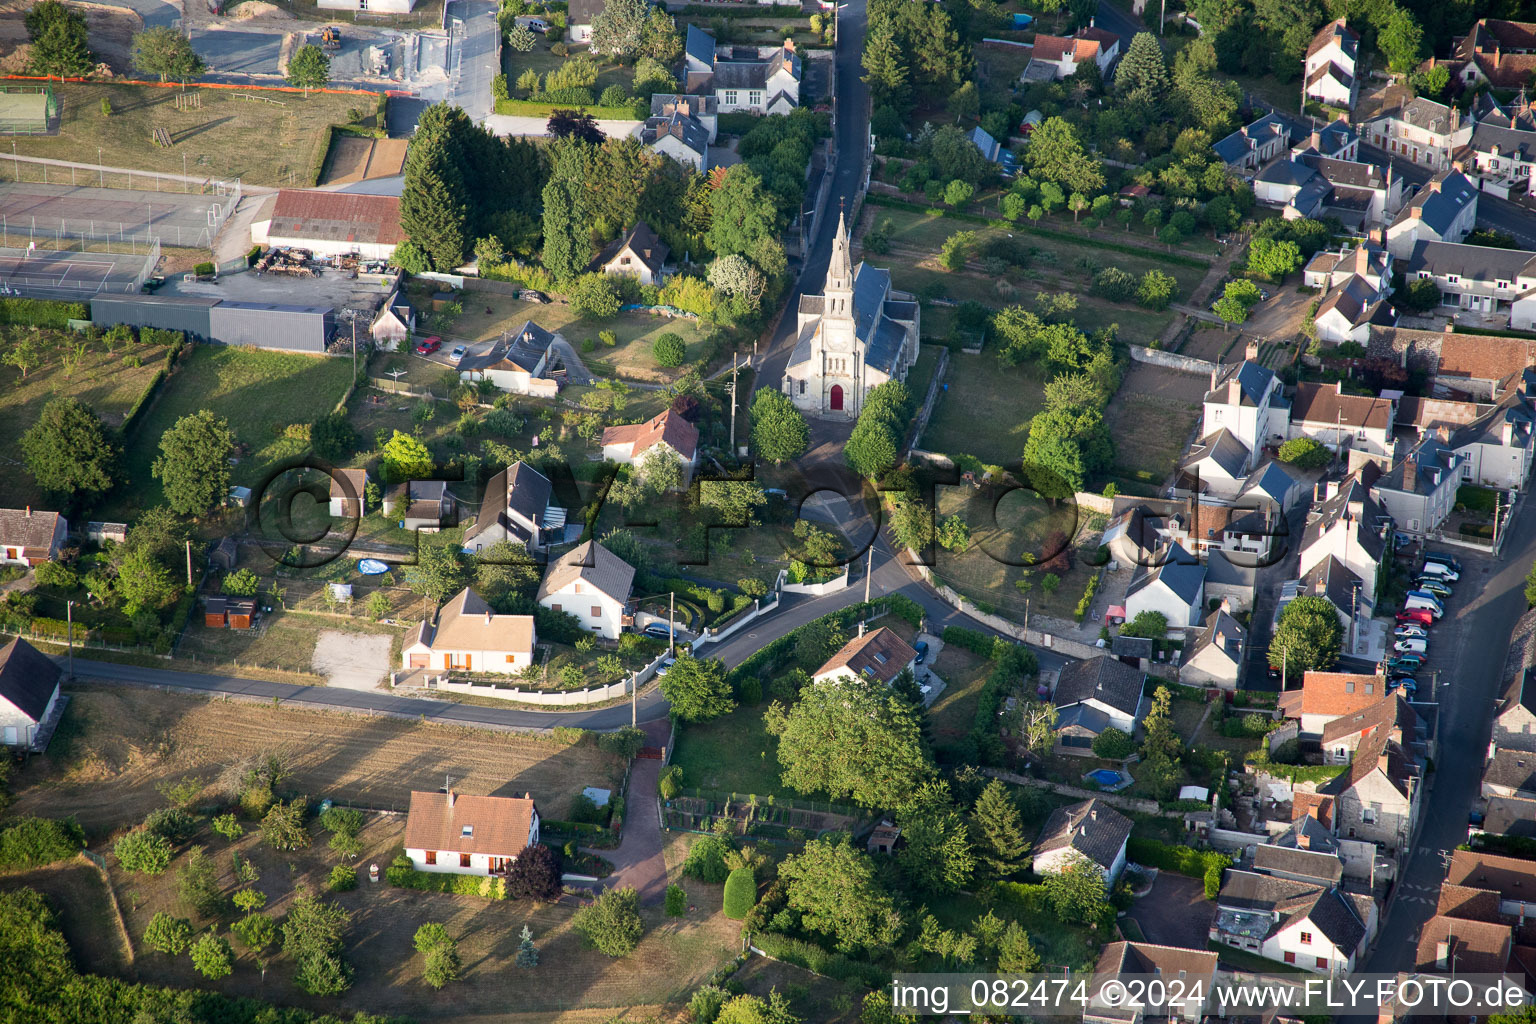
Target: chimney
(1410, 474)
(1415, 212)
(1304, 841)
(1442, 955)
(1234, 392)
(1093, 813)
(450, 798)
(527, 796)
(1251, 353)
(1215, 372)
(29, 511)
(1338, 387)
(487, 616)
(1443, 432)
(789, 44)
(1508, 432)
(1434, 184)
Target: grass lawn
(954, 713)
(283, 640)
(1151, 417)
(734, 753)
(540, 59)
(215, 138)
(259, 393)
(1059, 944)
(102, 380)
(77, 892)
(984, 409)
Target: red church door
(837, 397)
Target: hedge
(744, 11)
(973, 640)
(42, 312)
(1031, 897)
(592, 835)
(740, 894)
(402, 875)
(537, 108)
(1181, 860)
(32, 842)
(149, 335)
(819, 961)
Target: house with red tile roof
(1500, 53)
(879, 655)
(461, 834)
(666, 433)
(1326, 696)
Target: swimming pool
(1105, 776)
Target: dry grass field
(1151, 417)
(119, 744)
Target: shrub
(173, 823)
(168, 935)
(612, 923)
(740, 894)
(400, 873)
(1113, 745)
(228, 826)
(1181, 860)
(283, 827)
(142, 851)
(343, 878)
(33, 842)
(212, 957)
(669, 350)
(671, 782)
(534, 875)
(677, 901)
(255, 931)
(706, 860)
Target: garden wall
(1171, 360)
(1063, 645)
(590, 695)
(818, 589)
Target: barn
(331, 223)
(276, 326)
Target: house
(883, 838)
(1420, 131)
(679, 136)
(1299, 863)
(591, 583)
(29, 692)
(1215, 466)
(421, 505)
(1312, 924)
(1245, 398)
(516, 508)
(1327, 415)
(1510, 773)
(1327, 696)
(1482, 366)
(1063, 54)
(1255, 145)
(1514, 725)
(331, 223)
(851, 339)
(1475, 277)
(757, 79)
(1271, 485)
(665, 434)
(1420, 490)
(1329, 269)
(1093, 695)
(1503, 155)
(703, 109)
(1453, 944)
(879, 656)
(1135, 651)
(518, 362)
(1495, 450)
(1500, 53)
(1361, 195)
(28, 536)
(469, 835)
(1352, 526)
(638, 253)
(1512, 878)
(229, 612)
(1231, 577)
(1330, 64)
(993, 151)
(1444, 210)
(1174, 586)
(469, 637)
(1331, 580)
(349, 493)
(1192, 971)
(1214, 656)
(1510, 816)
(1341, 738)
(394, 323)
(1376, 797)
(1336, 140)
(368, 6)
(579, 17)
(1090, 831)
(1348, 312)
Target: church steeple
(839, 290)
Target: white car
(457, 355)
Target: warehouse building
(282, 328)
(331, 223)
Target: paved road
(1489, 600)
(473, 63)
(1121, 23)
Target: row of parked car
(1424, 604)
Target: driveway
(1175, 912)
(638, 861)
(1280, 318)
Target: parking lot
(232, 51)
(329, 288)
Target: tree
(405, 458)
(197, 883)
(144, 852)
(1076, 892)
(964, 103)
(957, 248)
(596, 296)
(834, 887)
(659, 41)
(241, 583)
(1157, 289)
(1113, 744)
(1142, 74)
(1273, 259)
(885, 67)
(441, 951)
(193, 465)
(441, 571)
(25, 354)
(567, 236)
(212, 957)
(309, 68)
(1307, 637)
(619, 27)
(852, 739)
(527, 952)
(1015, 954)
(332, 437)
(167, 53)
(1055, 154)
(611, 923)
(1400, 40)
(999, 829)
(312, 935)
(68, 453)
(1077, 204)
(1161, 737)
(59, 37)
(580, 125)
(954, 534)
(433, 211)
(1305, 453)
(283, 827)
(143, 582)
(697, 688)
(1063, 447)
(816, 641)
(740, 893)
(167, 934)
(743, 213)
(779, 431)
(534, 875)
(255, 931)
(1148, 624)
(668, 350)
(937, 857)
(521, 39)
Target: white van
(1441, 570)
(1411, 645)
(1426, 600)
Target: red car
(427, 346)
(1420, 615)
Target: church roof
(802, 352)
(870, 285)
(885, 348)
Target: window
(802, 387)
(577, 588)
(1322, 961)
(754, 97)
(431, 856)
(729, 98)
(1306, 938)
(468, 831)
(555, 608)
(1349, 686)
(1290, 957)
(1368, 815)
(463, 860)
(1370, 687)
(511, 659)
(597, 612)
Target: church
(851, 339)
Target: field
(986, 410)
(954, 713)
(214, 139)
(260, 393)
(283, 640)
(102, 380)
(119, 744)
(1151, 417)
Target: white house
(1255, 145)
(680, 137)
(1245, 399)
(637, 253)
(1216, 465)
(1173, 586)
(1496, 449)
(1353, 527)
(1327, 415)
(591, 583)
(421, 505)
(1348, 312)
(349, 493)
(756, 79)
(1329, 268)
(878, 656)
(703, 109)
(1331, 580)
(368, 6)
(1310, 184)
(469, 637)
(579, 17)
(1134, 962)
(1420, 490)
(1504, 155)
(460, 834)
(29, 692)
(1329, 67)
(516, 507)
(518, 362)
(1309, 923)
(1064, 53)
(394, 322)
(1091, 832)
(666, 433)
(1342, 737)
(1444, 210)
(331, 223)
(29, 536)
(1093, 695)
(1214, 657)
(1420, 131)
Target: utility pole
(1497, 495)
(189, 563)
(671, 622)
(634, 700)
(69, 613)
(732, 390)
(1284, 656)
(354, 347)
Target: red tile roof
(498, 825)
(1326, 403)
(337, 217)
(1339, 693)
(880, 655)
(668, 426)
(1483, 357)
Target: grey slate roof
(1092, 828)
(1483, 264)
(681, 127)
(28, 678)
(1253, 380)
(1367, 533)
(1438, 208)
(883, 352)
(663, 104)
(1270, 481)
(1223, 448)
(1512, 769)
(1222, 571)
(699, 44)
(1237, 145)
(1221, 631)
(1510, 142)
(1325, 867)
(522, 349)
(1333, 580)
(1286, 172)
(1106, 680)
(1434, 460)
(1131, 647)
(1177, 570)
(1511, 816)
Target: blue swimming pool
(1104, 776)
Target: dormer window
(468, 832)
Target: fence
(831, 586)
(547, 698)
(151, 260)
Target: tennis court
(26, 110)
(35, 211)
(52, 273)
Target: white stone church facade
(852, 339)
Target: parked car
(1441, 570)
(1410, 629)
(1423, 616)
(659, 630)
(1443, 559)
(457, 355)
(1434, 586)
(921, 647)
(1425, 600)
(1405, 663)
(1409, 687)
(1412, 645)
(427, 346)
(665, 666)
